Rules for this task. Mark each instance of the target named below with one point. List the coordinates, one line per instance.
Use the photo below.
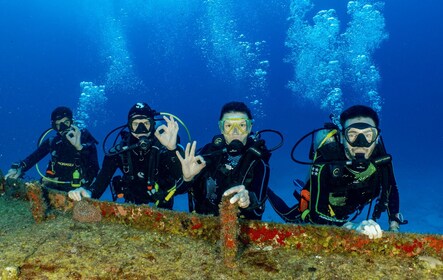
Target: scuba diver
(73, 162)
(145, 156)
(235, 162)
(350, 170)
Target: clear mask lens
(140, 125)
(361, 137)
(235, 126)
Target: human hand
(395, 221)
(78, 193)
(167, 134)
(14, 173)
(191, 164)
(394, 226)
(242, 196)
(73, 137)
(366, 227)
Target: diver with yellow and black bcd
(73, 163)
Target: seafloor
(61, 248)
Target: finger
(370, 231)
(161, 127)
(193, 147)
(187, 149)
(233, 190)
(179, 156)
(73, 195)
(244, 204)
(200, 160)
(86, 193)
(171, 123)
(379, 231)
(234, 199)
(168, 120)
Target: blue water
(190, 57)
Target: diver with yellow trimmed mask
(236, 163)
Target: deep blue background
(48, 47)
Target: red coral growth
(197, 226)
(308, 238)
(159, 217)
(435, 242)
(38, 204)
(355, 243)
(229, 231)
(107, 210)
(148, 212)
(411, 249)
(85, 212)
(263, 234)
(197, 223)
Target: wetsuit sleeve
(393, 194)
(43, 150)
(170, 166)
(319, 211)
(104, 176)
(89, 157)
(288, 214)
(258, 190)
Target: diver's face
(140, 126)
(63, 124)
(356, 129)
(235, 126)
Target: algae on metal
(128, 245)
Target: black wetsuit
(338, 193)
(225, 170)
(289, 214)
(65, 159)
(140, 168)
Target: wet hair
(60, 113)
(235, 106)
(359, 111)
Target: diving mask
(140, 125)
(63, 126)
(235, 125)
(361, 135)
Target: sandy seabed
(61, 248)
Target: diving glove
(78, 193)
(395, 221)
(366, 227)
(241, 196)
(15, 172)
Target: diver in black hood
(73, 162)
(350, 170)
(235, 162)
(145, 156)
